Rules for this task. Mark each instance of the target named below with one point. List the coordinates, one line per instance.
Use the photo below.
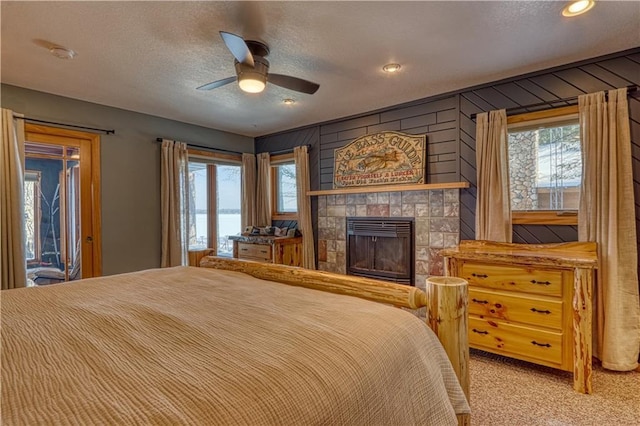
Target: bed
(204, 345)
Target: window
(227, 218)
(545, 167)
(198, 206)
(283, 188)
(32, 214)
(214, 204)
(286, 188)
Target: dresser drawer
(522, 308)
(527, 343)
(255, 251)
(513, 278)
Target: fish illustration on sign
(378, 160)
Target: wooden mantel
(391, 188)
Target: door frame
(90, 196)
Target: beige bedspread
(200, 346)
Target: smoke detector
(62, 52)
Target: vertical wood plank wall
(446, 121)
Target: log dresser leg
(582, 318)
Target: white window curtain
(301, 158)
(174, 187)
(493, 204)
(12, 232)
(248, 212)
(263, 193)
(607, 216)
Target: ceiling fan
(252, 69)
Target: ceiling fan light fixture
(252, 68)
(252, 83)
(288, 101)
(579, 7)
(253, 79)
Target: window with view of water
(214, 188)
(198, 206)
(228, 204)
(545, 165)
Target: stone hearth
(437, 225)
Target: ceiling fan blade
(238, 48)
(293, 83)
(217, 83)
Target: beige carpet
(511, 392)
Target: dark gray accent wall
(446, 120)
(289, 140)
(435, 118)
(130, 166)
(570, 81)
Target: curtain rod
(285, 151)
(206, 147)
(282, 151)
(630, 89)
(35, 120)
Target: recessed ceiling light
(288, 101)
(390, 68)
(62, 52)
(578, 7)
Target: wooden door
(79, 183)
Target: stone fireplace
(435, 214)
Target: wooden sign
(380, 159)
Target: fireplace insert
(381, 248)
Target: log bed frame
(445, 300)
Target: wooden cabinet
(281, 250)
(531, 302)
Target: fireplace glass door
(380, 248)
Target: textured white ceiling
(150, 56)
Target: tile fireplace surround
(437, 225)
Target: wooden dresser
(281, 250)
(530, 301)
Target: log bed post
(445, 300)
(195, 256)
